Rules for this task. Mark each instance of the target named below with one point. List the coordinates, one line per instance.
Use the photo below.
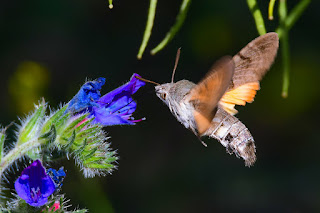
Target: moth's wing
(239, 96)
(251, 64)
(207, 93)
(254, 60)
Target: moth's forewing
(207, 93)
(255, 59)
(251, 64)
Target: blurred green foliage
(27, 84)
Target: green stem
(270, 9)
(254, 8)
(110, 4)
(17, 153)
(296, 13)
(294, 16)
(149, 25)
(175, 28)
(286, 64)
(284, 39)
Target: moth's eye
(163, 96)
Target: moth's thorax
(180, 89)
(175, 96)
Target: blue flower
(114, 108)
(87, 96)
(57, 176)
(34, 185)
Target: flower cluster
(74, 129)
(114, 108)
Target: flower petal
(125, 90)
(40, 202)
(22, 188)
(47, 186)
(106, 119)
(120, 105)
(87, 96)
(36, 172)
(117, 106)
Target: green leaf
(80, 211)
(71, 126)
(70, 142)
(111, 159)
(31, 126)
(2, 139)
(94, 159)
(58, 118)
(83, 123)
(89, 132)
(50, 136)
(90, 153)
(100, 166)
(81, 148)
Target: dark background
(48, 49)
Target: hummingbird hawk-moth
(208, 108)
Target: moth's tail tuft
(245, 150)
(248, 153)
(233, 135)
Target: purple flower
(114, 108)
(117, 106)
(34, 185)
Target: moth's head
(162, 91)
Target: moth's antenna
(145, 80)
(175, 64)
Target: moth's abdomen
(233, 135)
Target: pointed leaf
(2, 139)
(56, 119)
(31, 126)
(70, 141)
(50, 136)
(70, 127)
(100, 166)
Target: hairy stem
(16, 153)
